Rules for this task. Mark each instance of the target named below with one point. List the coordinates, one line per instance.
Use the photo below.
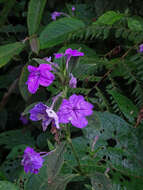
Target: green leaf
(7, 52)
(35, 10)
(125, 105)
(117, 148)
(56, 32)
(5, 185)
(47, 176)
(60, 182)
(11, 167)
(15, 137)
(22, 83)
(135, 25)
(101, 182)
(109, 18)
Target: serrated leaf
(35, 10)
(135, 25)
(125, 105)
(5, 185)
(56, 32)
(7, 52)
(109, 18)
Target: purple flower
(48, 59)
(73, 8)
(23, 119)
(74, 110)
(44, 113)
(69, 52)
(58, 55)
(75, 53)
(39, 76)
(73, 81)
(141, 48)
(55, 14)
(32, 161)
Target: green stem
(73, 149)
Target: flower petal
(44, 67)
(79, 121)
(45, 123)
(46, 78)
(38, 112)
(32, 68)
(33, 83)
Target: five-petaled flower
(39, 76)
(74, 111)
(44, 113)
(32, 161)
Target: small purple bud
(141, 48)
(73, 8)
(58, 55)
(23, 119)
(48, 59)
(73, 81)
(55, 14)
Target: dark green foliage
(109, 75)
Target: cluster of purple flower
(73, 110)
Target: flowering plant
(70, 115)
(71, 111)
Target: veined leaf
(135, 25)
(57, 31)
(35, 10)
(109, 18)
(8, 51)
(125, 105)
(117, 148)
